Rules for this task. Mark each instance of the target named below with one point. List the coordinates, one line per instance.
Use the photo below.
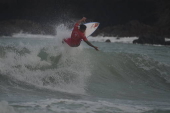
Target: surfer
(78, 34)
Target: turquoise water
(42, 75)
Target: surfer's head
(82, 27)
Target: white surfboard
(91, 27)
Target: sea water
(42, 75)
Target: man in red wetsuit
(78, 34)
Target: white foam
(6, 108)
(84, 106)
(113, 39)
(167, 39)
(63, 32)
(69, 76)
(70, 65)
(26, 35)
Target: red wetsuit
(76, 37)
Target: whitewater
(39, 74)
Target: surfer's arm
(91, 45)
(81, 20)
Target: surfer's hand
(96, 48)
(83, 19)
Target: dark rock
(136, 41)
(130, 29)
(150, 39)
(108, 40)
(167, 43)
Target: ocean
(39, 74)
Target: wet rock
(167, 43)
(150, 39)
(108, 40)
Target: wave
(129, 75)
(47, 64)
(82, 71)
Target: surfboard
(91, 27)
